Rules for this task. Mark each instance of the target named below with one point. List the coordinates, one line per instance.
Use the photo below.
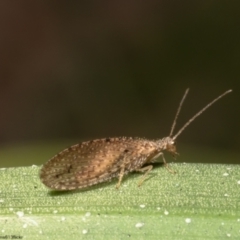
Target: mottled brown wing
(88, 163)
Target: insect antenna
(178, 111)
(196, 115)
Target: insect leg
(146, 169)
(166, 164)
(121, 173)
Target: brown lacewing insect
(89, 163)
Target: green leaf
(200, 201)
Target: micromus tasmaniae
(92, 162)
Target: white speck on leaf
(88, 214)
(166, 212)
(20, 214)
(139, 225)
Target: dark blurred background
(80, 70)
